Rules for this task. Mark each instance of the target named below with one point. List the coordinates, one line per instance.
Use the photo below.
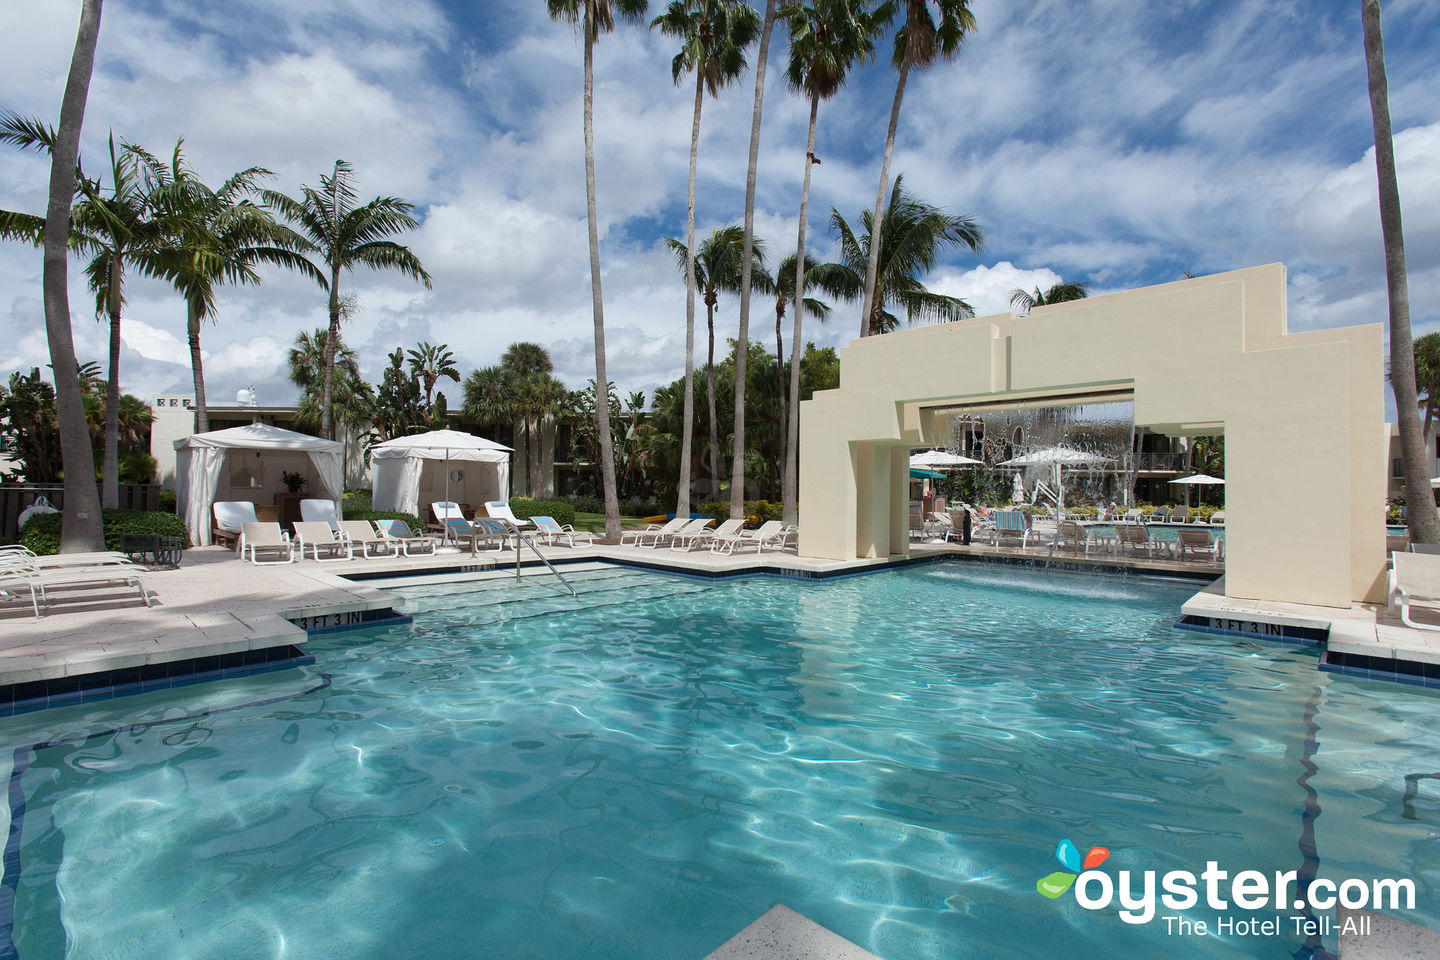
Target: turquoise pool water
(643, 773)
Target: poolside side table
(152, 549)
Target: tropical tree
(716, 267)
(113, 227)
(354, 399)
(596, 17)
(747, 270)
(912, 234)
(214, 237)
(81, 528)
(827, 38)
(345, 235)
(918, 42)
(1419, 501)
(1427, 377)
(832, 279)
(714, 35)
(521, 390)
(430, 363)
(399, 409)
(1022, 301)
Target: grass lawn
(595, 522)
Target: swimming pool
(643, 773)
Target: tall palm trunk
(780, 372)
(197, 367)
(747, 249)
(789, 503)
(710, 398)
(871, 310)
(687, 429)
(331, 340)
(1419, 499)
(81, 526)
(602, 385)
(110, 471)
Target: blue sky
(1117, 142)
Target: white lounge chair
(550, 530)
(1201, 543)
(56, 561)
(728, 542)
(320, 511)
(17, 576)
(653, 532)
(230, 519)
(1413, 578)
(318, 536)
(483, 531)
(1134, 536)
(361, 534)
(704, 535)
(255, 537)
(399, 535)
(500, 510)
(444, 510)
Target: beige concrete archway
(1302, 413)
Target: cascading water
(1060, 455)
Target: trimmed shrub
(525, 508)
(416, 524)
(42, 533)
(355, 500)
(585, 504)
(756, 511)
(167, 501)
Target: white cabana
(410, 473)
(246, 463)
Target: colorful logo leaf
(1069, 856)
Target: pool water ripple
(642, 771)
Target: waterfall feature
(1062, 454)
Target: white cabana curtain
(200, 466)
(408, 473)
(395, 484)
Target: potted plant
(294, 482)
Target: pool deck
(215, 604)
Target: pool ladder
(521, 538)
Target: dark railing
(1160, 461)
(15, 497)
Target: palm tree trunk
(602, 385)
(327, 398)
(780, 372)
(81, 526)
(747, 249)
(710, 397)
(197, 368)
(871, 308)
(687, 429)
(1419, 498)
(789, 495)
(110, 471)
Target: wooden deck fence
(15, 497)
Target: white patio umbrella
(1058, 457)
(1197, 479)
(464, 446)
(939, 460)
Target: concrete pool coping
(215, 604)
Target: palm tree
(81, 527)
(354, 397)
(1023, 302)
(912, 236)
(827, 38)
(832, 279)
(430, 363)
(917, 43)
(216, 236)
(534, 394)
(345, 235)
(1419, 499)
(596, 17)
(714, 35)
(1427, 377)
(747, 265)
(717, 268)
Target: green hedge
(416, 524)
(42, 533)
(355, 500)
(524, 508)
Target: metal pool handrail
(536, 550)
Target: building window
(1397, 468)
